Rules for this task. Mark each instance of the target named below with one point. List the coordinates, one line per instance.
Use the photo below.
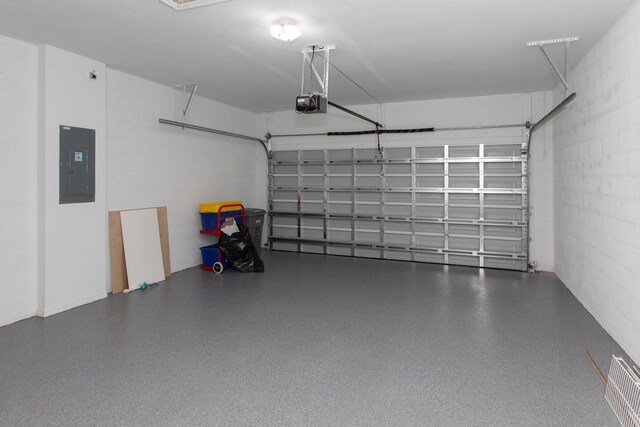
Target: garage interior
(452, 198)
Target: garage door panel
(464, 151)
(497, 231)
(503, 200)
(464, 168)
(503, 246)
(312, 233)
(368, 209)
(467, 230)
(429, 152)
(285, 206)
(285, 156)
(368, 237)
(502, 150)
(340, 181)
(338, 208)
(431, 242)
(312, 169)
(398, 210)
(432, 228)
(502, 168)
(470, 261)
(311, 222)
(430, 168)
(503, 182)
(312, 248)
(339, 250)
(508, 264)
(456, 204)
(430, 198)
(464, 243)
(464, 213)
(367, 253)
(312, 155)
(339, 235)
(430, 212)
(464, 182)
(285, 169)
(503, 214)
(397, 255)
(285, 246)
(287, 181)
(430, 181)
(397, 153)
(315, 196)
(340, 196)
(312, 207)
(429, 257)
(368, 181)
(364, 169)
(339, 169)
(390, 169)
(398, 181)
(339, 155)
(398, 197)
(366, 154)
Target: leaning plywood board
(142, 249)
(116, 252)
(163, 222)
(119, 280)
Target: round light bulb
(285, 32)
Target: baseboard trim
(50, 311)
(6, 321)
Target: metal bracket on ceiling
(566, 41)
(307, 60)
(194, 88)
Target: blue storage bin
(210, 219)
(211, 255)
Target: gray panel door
(464, 205)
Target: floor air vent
(623, 392)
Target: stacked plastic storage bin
(212, 216)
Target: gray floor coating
(314, 341)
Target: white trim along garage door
(449, 204)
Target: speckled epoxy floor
(314, 341)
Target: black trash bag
(239, 250)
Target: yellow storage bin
(213, 207)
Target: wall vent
(190, 4)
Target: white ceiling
(398, 50)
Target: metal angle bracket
(307, 60)
(566, 41)
(194, 88)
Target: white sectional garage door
(464, 205)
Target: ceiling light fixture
(285, 32)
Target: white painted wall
(597, 183)
(18, 141)
(72, 237)
(151, 164)
(475, 111)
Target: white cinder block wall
(18, 144)
(151, 164)
(597, 183)
(472, 111)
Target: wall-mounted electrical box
(77, 165)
